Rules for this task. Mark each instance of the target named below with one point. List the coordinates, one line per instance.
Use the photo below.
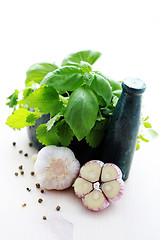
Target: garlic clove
(113, 190)
(56, 167)
(82, 187)
(95, 201)
(110, 172)
(91, 170)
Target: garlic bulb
(99, 184)
(56, 167)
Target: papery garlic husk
(56, 167)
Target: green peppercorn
(58, 208)
(22, 172)
(40, 200)
(20, 167)
(20, 151)
(16, 173)
(44, 218)
(37, 185)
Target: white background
(128, 35)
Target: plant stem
(64, 99)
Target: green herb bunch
(80, 101)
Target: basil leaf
(117, 93)
(47, 137)
(115, 85)
(96, 134)
(65, 133)
(86, 56)
(88, 77)
(102, 87)
(66, 78)
(38, 71)
(86, 67)
(81, 111)
(46, 99)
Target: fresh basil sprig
(80, 100)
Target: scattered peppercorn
(42, 191)
(20, 151)
(58, 208)
(22, 172)
(16, 173)
(37, 185)
(40, 200)
(28, 189)
(14, 143)
(20, 167)
(24, 205)
(32, 173)
(26, 154)
(44, 218)
(30, 144)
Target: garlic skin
(34, 157)
(56, 167)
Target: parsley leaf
(65, 133)
(47, 137)
(26, 92)
(46, 99)
(13, 99)
(32, 117)
(21, 118)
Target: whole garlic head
(56, 167)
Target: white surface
(127, 33)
